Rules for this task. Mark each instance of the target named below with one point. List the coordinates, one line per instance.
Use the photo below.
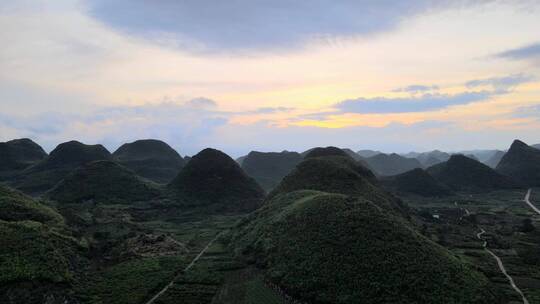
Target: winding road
(528, 201)
(188, 267)
(499, 261)
(501, 267)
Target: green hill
(521, 163)
(324, 151)
(103, 181)
(37, 257)
(462, 173)
(16, 206)
(18, 154)
(416, 181)
(268, 168)
(325, 169)
(151, 159)
(336, 172)
(392, 164)
(60, 162)
(214, 181)
(331, 248)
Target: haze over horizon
(270, 76)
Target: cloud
(271, 110)
(417, 88)
(531, 111)
(247, 24)
(500, 84)
(423, 103)
(427, 101)
(524, 52)
(201, 102)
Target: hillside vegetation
(103, 181)
(332, 248)
(37, 254)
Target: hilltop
(151, 159)
(386, 165)
(325, 151)
(521, 163)
(103, 181)
(214, 181)
(331, 170)
(18, 154)
(327, 169)
(60, 162)
(268, 168)
(462, 173)
(416, 181)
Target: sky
(242, 75)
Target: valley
(487, 230)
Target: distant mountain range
(392, 164)
(268, 168)
(26, 166)
(430, 158)
(367, 153)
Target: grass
(15, 206)
(29, 251)
(132, 281)
(258, 293)
(103, 181)
(202, 282)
